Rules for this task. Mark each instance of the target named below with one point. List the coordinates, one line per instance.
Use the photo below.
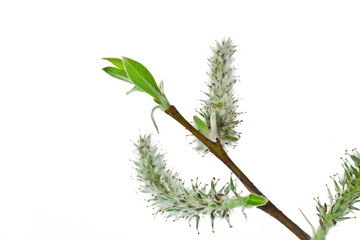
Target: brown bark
(219, 152)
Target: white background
(66, 127)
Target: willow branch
(219, 152)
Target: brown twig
(219, 152)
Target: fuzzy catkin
(219, 110)
(169, 195)
(347, 194)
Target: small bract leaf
(212, 217)
(134, 89)
(227, 217)
(197, 223)
(312, 227)
(213, 190)
(161, 86)
(337, 188)
(116, 62)
(354, 170)
(117, 73)
(229, 139)
(232, 186)
(255, 200)
(347, 175)
(329, 194)
(354, 208)
(344, 218)
(152, 116)
(201, 126)
(355, 159)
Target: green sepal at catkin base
(170, 196)
(342, 200)
(219, 110)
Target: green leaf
(117, 73)
(116, 62)
(141, 77)
(201, 126)
(255, 200)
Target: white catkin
(169, 195)
(219, 110)
(342, 200)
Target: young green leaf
(201, 126)
(255, 200)
(135, 73)
(116, 62)
(117, 73)
(141, 77)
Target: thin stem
(219, 152)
